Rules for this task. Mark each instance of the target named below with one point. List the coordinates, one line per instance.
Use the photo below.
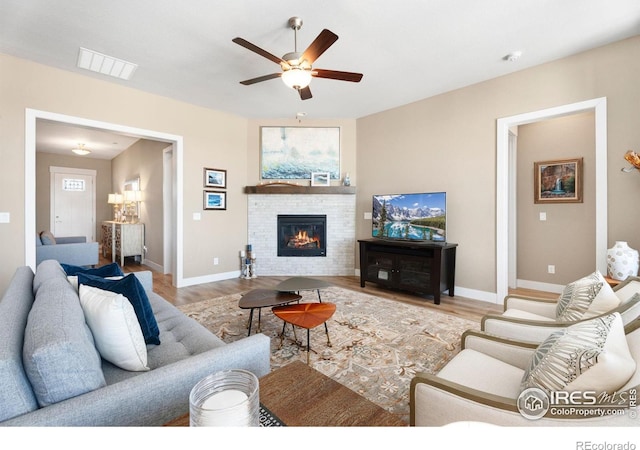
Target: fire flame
(302, 239)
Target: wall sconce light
(632, 158)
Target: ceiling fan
(297, 70)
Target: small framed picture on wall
(215, 200)
(215, 178)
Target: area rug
(378, 345)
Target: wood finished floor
(458, 306)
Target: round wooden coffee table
(305, 315)
(261, 298)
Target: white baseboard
(210, 278)
(474, 294)
(538, 286)
(154, 266)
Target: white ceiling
(407, 50)
(60, 138)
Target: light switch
(543, 216)
(5, 217)
(197, 216)
(367, 216)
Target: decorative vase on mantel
(622, 261)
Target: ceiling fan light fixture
(297, 78)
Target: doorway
(73, 202)
(30, 170)
(505, 209)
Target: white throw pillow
(115, 328)
(590, 355)
(73, 279)
(587, 297)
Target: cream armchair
(533, 319)
(483, 381)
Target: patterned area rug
(378, 345)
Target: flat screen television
(410, 217)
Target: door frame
(505, 179)
(53, 170)
(31, 117)
(168, 168)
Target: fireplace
(302, 235)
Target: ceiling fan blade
(324, 40)
(337, 75)
(254, 48)
(262, 78)
(305, 93)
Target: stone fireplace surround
(263, 210)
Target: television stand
(426, 268)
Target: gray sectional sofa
(42, 323)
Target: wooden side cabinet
(426, 268)
(123, 239)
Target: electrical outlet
(551, 268)
(216, 261)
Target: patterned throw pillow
(585, 298)
(590, 355)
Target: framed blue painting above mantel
(294, 153)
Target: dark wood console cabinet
(426, 268)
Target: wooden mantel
(292, 189)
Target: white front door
(73, 209)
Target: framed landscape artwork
(296, 152)
(215, 200)
(558, 181)
(216, 178)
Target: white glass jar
(229, 398)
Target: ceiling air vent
(106, 65)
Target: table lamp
(115, 200)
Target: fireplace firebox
(302, 235)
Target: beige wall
(448, 143)
(445, 143)
(43, 185)
(144, 160)
(211, 139)
(567, 238)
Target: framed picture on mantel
(558, 181)
(320, 179)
